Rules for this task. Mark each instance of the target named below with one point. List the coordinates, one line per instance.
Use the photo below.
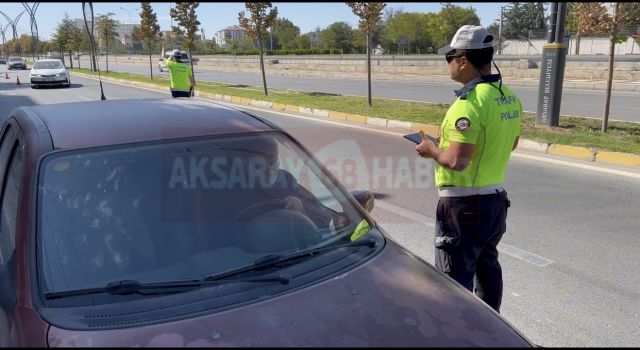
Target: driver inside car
(268, 187)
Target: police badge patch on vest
(463, 124)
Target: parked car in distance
(123, 225)
(184, 58)
(3, 60)
(49, 72)
(16, 63)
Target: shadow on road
(315, 93)
(73, 86)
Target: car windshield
(182, 210)
(47, 65)
(15, 59)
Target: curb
(589, 154)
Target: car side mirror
(365, 198)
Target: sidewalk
(631, 162)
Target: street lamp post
(130, 24)
(34, 26)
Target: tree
(26, 44)
(301, 42)
(611, 18)
(74, 43)
(369, 14)
(185, 16)
(284, 34)
(388, 15)
(60, 37)
(148, 30)
(56, 45)
(571, 24)
(446, 22)
(412, 30)
(68, 38)
(337, 36)
(358, 41)
(262, 17)
(107, 32)
(521, 18)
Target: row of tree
(397, 32)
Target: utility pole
(500, 32)
(552, 71)
(171, 31)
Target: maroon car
(175, 222)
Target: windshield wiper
(125, 287)
(272, 259)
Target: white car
(49, 72)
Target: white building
(124, 30)
(225, 36)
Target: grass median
(573, 131)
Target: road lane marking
(577, 165)
(512, 251)
(84, 98)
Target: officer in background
(182, 83)
(476, 138)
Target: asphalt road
(585, 103)
(570, 255)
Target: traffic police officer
(181, 78)
(476, 138)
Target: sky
(216, 16)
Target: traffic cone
(6, 75)
(18, 80)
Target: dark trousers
(175, 94)
(468, 230)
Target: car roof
(100, 123)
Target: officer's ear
(464, 62)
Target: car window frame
(8, 264)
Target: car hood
(394, 299)
(47, 71)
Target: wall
(588, 46)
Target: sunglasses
(450, 57)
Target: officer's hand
(424, 147)
(293, 203)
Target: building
(225, 36)
(124, 30)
